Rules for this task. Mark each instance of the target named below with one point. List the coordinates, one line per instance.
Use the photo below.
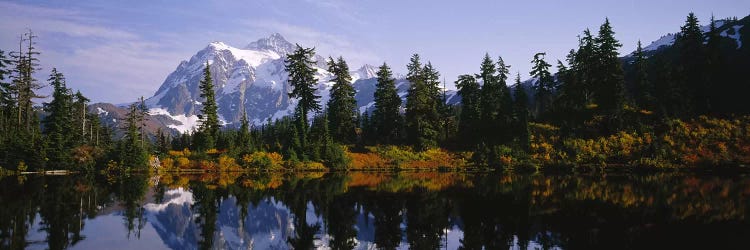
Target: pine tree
(471, 110)
(25, 85)
(610, 91)
(583, 67)
(244, 138)
(386, 117)
(142, 118)
(715, 73)
(7, 99)
(521, 114)
(691, 61)
(490, 100)
(58, 124)
(543, 85)
(421, 110)
(132, 154)
(80, 116)
(644, 90)
(342, 107)
(302, 80)
(210, 119)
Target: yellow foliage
(263, 160)
(167, 163)
(227, 163)
(183, 163)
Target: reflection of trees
(570, 211)
(130, 192)
(341, 219)
(62, 203)
(206, 207)
(386, 208)
(426, 218)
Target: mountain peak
(367, 71)
(275, 42)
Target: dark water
(377, 211)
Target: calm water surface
(377, 211)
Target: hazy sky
(117, 51)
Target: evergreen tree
(543, 84)
(583, 66)
(644, 90)
(342, 107)
(471, 110)
(58, 124)
(421, 110)
(7, 100)
(715, 73)
(691, 62)
(298, 65)
(132, 153)
(80, 117)
(610, 90)
(25, 85)
(244, 138)
(386, 117)
(210, 119)
(163, 143)
(521, 113)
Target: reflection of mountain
(267, 225)
(173, 219)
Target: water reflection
(376, 211)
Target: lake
(406, 210)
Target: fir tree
(471, 110)
(25, 85)
(583, 66)
(644, 90)
(421, 110)
(610, 91)
(302, 80)
(691, 61)
(386, 117)
(543, 85)
(58, 124)
(210, 119)
(521, 114)
(715, 72)
(79, 113)
(132, 154)
(342, 107)
(244, 138)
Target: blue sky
(117, 51)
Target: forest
(679, 106)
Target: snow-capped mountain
(729, 29)
(252, 80)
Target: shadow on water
(419, 210)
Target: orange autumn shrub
(367, 160)
(707, 141)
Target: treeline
(61, 133)
(66, 136)
(594, 94)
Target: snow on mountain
(722, 25)
(733, 33)
(252, 80)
